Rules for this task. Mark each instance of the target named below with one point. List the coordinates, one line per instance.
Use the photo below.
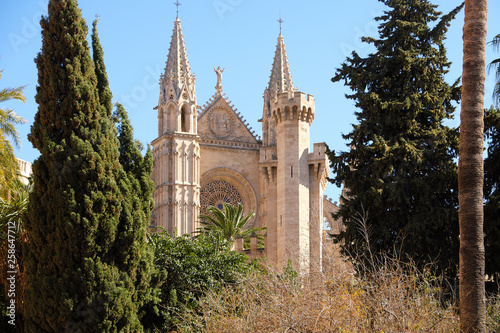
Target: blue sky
(238, 35)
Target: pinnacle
(281, 79)
(177, 66)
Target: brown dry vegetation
(390, 299)
(393, 297)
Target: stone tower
(176, 169)
(292, 177)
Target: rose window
(217, 193)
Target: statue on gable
(218, 87)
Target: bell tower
(176, 169)
(285, 168)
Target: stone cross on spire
(177, 4)
(280, 21)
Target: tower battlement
(318, 152)
(294, 97)
(296, 106)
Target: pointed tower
(280, 81)
(176, 170)
(294, 229)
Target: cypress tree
(130, 251)
(136, 180)
(74, 283)
(138, 167)
(399, 174)
(100, 71)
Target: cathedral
(207, 156)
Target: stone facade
(24, 171)
(208, 155)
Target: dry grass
(390, 299)
(493, 313)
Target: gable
(219, 121)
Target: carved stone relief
(220, 123)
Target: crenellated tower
(291, 176)
(176, 169)
(280, 82)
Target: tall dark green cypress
(74, 283)
(100, 71)
(137, 166)
(131, 253)
(136, 214)
(138, 172)
(400, 174)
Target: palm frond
(9, 167)
(8, 119)
(495, 42)
(229, 220)
(495, 65)
(12, 210)
(12, 93)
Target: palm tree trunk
(470, 170)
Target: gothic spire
(177, 72)
(281, 79)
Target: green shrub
(191, 267)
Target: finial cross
(177, 4)
(280, 21)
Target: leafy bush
(191, 267)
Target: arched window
(265, 130)
(184, 119)
(272, 132)
(183, 122)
